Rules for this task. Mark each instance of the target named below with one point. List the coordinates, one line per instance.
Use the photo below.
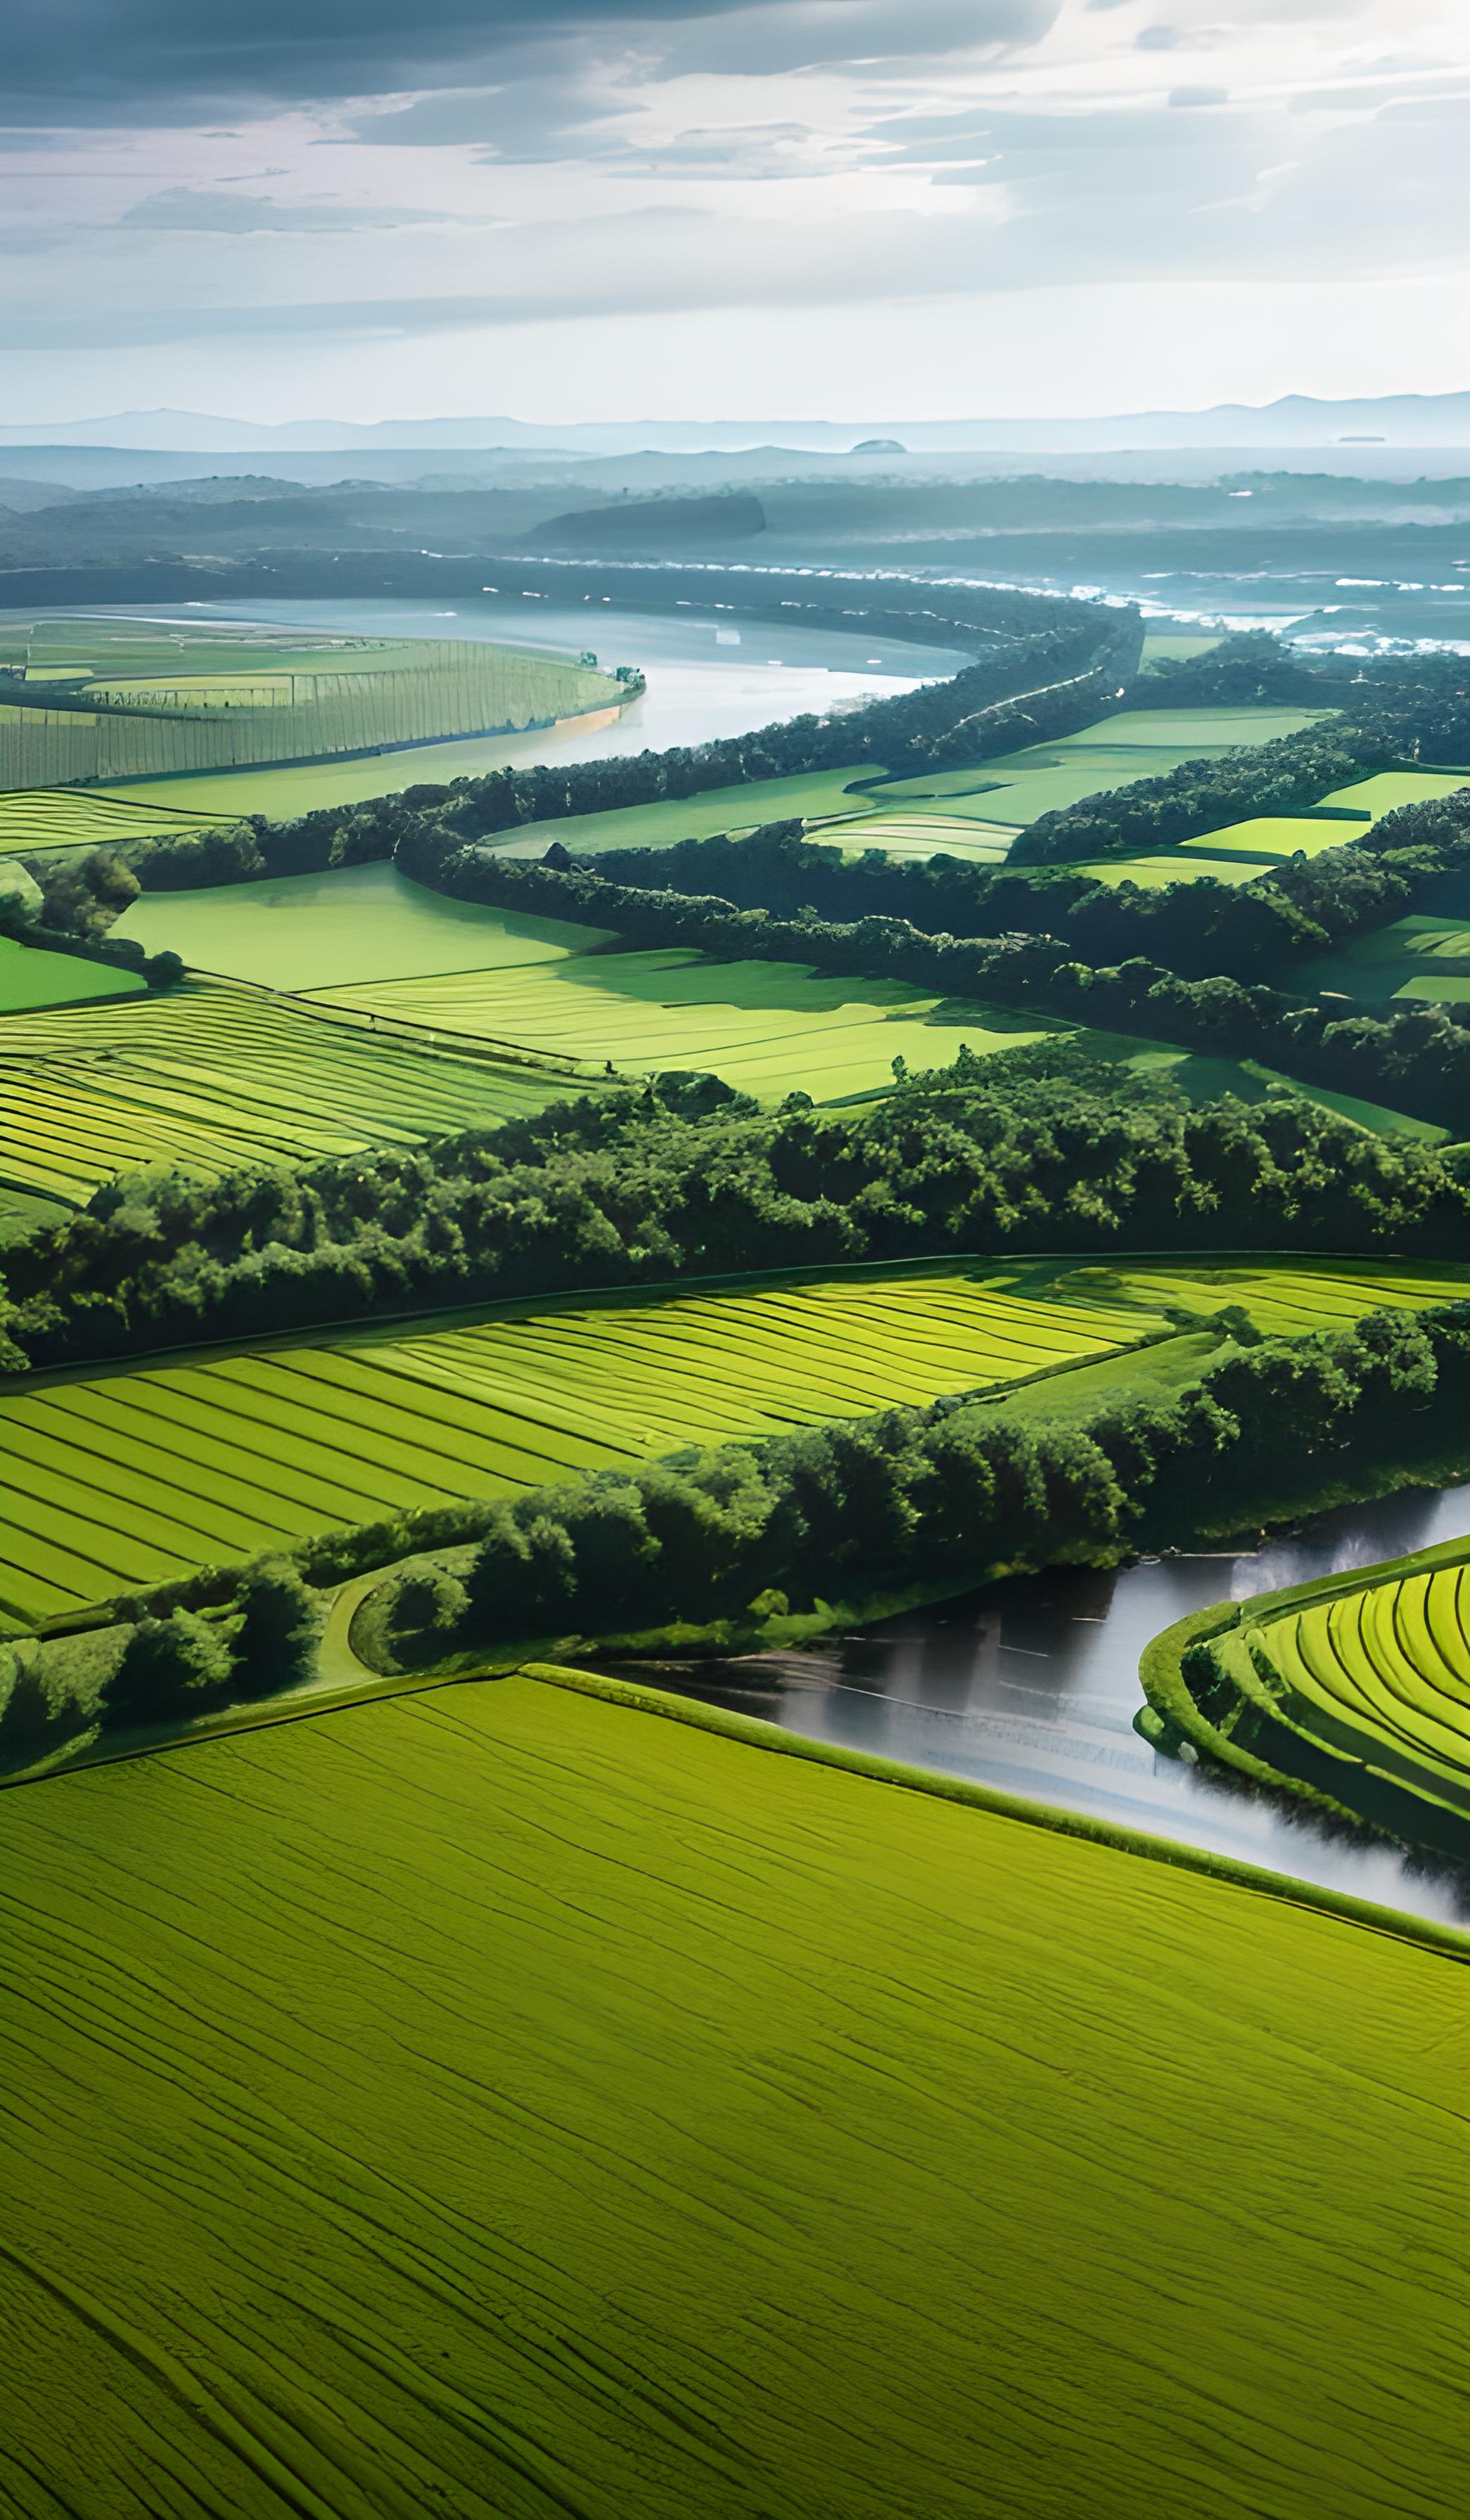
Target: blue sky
(923, 209)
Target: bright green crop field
(127, 1478)
(767, 1028)
(509, 2102)
(30, 978)
(1269, 838)
(1355, 1685)
(71, 818)
(663, 824)
(357, 923)
(1391, 789)
(1381, 1671)
(208, 1078)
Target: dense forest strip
(1195, 928)
(1038, 1151)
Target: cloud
(539, 118)
(249, 214)
(97, 62)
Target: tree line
(251, 1634)
(1039, 1150)
(948, 1496)
(1195, 928)
(1417, 1060)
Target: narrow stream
(1031, 1685)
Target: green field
(1270, 837)
(1152, 874)
(1425, 954)
(663, 824)
(1380, 1672)
(1355, 1685)
(71, 818)
(1178, 644)
(124, 1478)
(921, 836)
(1391, 789)
(767, 1028)
(31, 977)
(161, 706)
(209, 1078)
(1193, 732)
(507, 2102)
(222, 795)
(131, 1477)
(357, 923)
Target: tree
(170, 1669)
(275, 1639)
(424, 1611)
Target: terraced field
(126, 1479)
(208, 1078)
(75, 818)
(1355, 1685)
(1381, 1671)
(508, 2104)
(767, 1028)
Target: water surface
(1031, 1685)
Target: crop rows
(1384, 1672)
(500, 2103)
(1295, 1301)
(126, 1479)
(454, 688)
(208, 1078)
(66, 818)
(131, 1477)
(767, 1028)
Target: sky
(570, 209)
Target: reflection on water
(1031, 1685)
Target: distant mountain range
(1296, 421)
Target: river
(1031, 1685)
(708, 675)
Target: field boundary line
(396, 1325)
(1446, 1941)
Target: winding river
(1031, 1685)
(709, 674)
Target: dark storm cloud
(72, 62)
